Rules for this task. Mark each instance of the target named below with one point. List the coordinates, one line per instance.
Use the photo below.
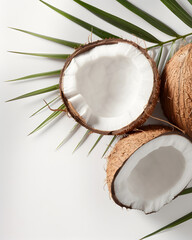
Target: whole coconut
(176, 90)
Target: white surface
(54, 195)
(93, 84)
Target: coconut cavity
(166, 162)
(108, 86)
(154, 173)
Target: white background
(57, 195)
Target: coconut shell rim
(149, 106)
(171, 132)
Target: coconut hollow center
(156, 173)
(109, 86)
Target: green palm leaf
(168, 56)
(172, 51)
(46, 105)
(95, 144)
(37, 75)
(186, 191)
(171, 225)
(170, 41)
(158, 58)
(55, 56)
(37, 92)
(49, 119)
(97, 31)
(178, 11)
(56, 40)
(120, 23)
(109, 145)
(147, 17)
(83, 139)
(69, 135)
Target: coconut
(176, 92)
(110, 86)
(149, 168)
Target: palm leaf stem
(169, 41)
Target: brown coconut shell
(149, 106)
(125, 147)
(176, 89)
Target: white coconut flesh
(156, 173)
(109, 86)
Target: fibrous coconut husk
(176, 89)
(125, 147)
(123, 185)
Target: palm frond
(36, 92)
(69, 135)
(171, 225)
(109, 145)
(83, 139)
(47, 55)
(148, 18)
(170, 41)
(158, 58)
(178, 11)
(46, 105)
(186, 191)
(162, 54)
(168, 56)
(120, 23)
(95, 144)
(52, 39)
(49, 119)
(172, 51)
(97, 31)
(37, 75)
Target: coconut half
(110, 86)
(149, 168)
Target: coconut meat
(155, 174)
(109, 86)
